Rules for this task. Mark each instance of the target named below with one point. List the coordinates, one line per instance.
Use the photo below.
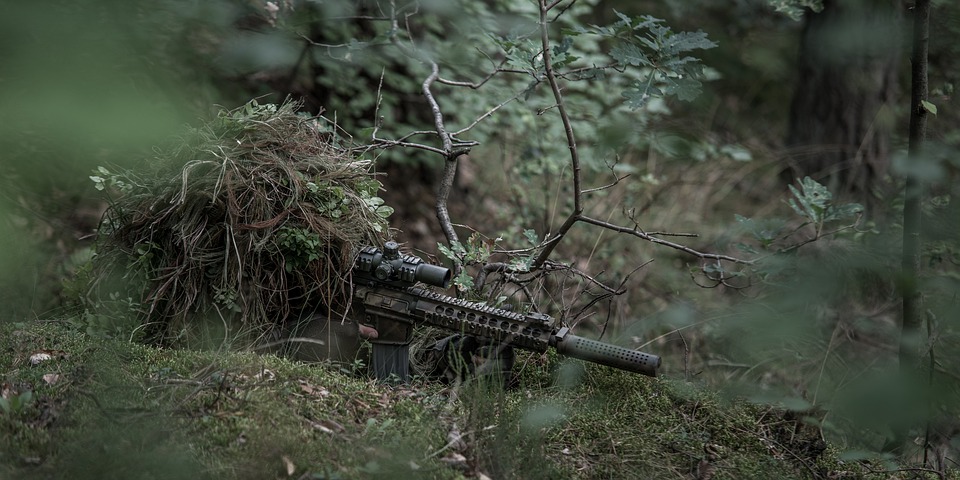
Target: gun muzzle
(605, 353)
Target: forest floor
(86, 407)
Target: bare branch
(636, 232)
(568, 131)
(473, 85)
(488, 113)
(545, 8)
(450, 159)
(617, 179)
(435, 107)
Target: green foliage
(478, 253)
(16, 403)
(299, 246)
(795, 9)
(107, 180)
(660, 53)
(815, 202)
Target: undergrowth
(124, 410)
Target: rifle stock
(387, 298)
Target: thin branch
(568, 131)
(450, 160)
(474, 85)
(554, 3)
(435, 107)
(659, 241)
(384, 143)
(489, 112)
(616, 181)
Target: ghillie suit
(245, 227)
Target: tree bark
(913, 192)
(840, 119)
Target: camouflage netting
(250, 222)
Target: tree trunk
(841, 115)
(913, 194)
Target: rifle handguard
(614, 356)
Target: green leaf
(685, 41)
(629, 54)
(531, 236)
(463, 281)
(811, 200)
(384, 211)
(928, 106)
(737, 153)
(685, 88)
(454, 252)
(521, 265)
(844, 212)
(624, 20)
(446, 252)
(636, 98)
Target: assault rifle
(387, 298)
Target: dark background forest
(725, 186)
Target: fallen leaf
(38, 358)
(309, 389)
(51, 378)
(328, 426)
(455, 439)
(291, 468)
(41, 356)
(455, 460)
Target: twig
(650, 238)
(489, 112)
(473, 85)
(686, 357)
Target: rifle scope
(389, 265)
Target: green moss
(124, 410)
